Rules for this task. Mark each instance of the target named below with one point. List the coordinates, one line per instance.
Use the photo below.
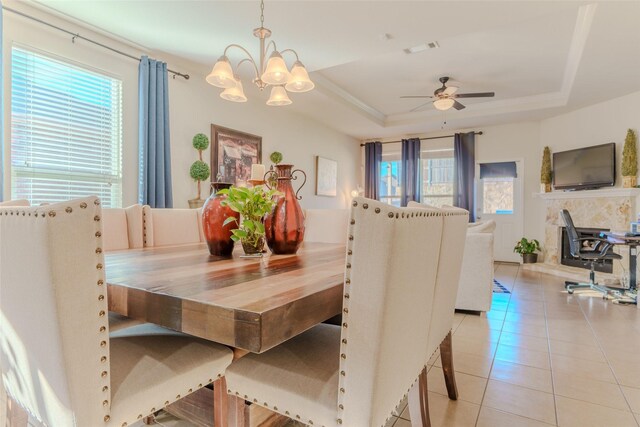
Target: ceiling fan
(445, 97)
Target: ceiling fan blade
(417, 96)
(450, 90)
(419, 107)
(458, 106)
(475, 95)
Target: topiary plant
(630, 155)
(276, 157)
(200, 142)
(199, 170)
(545, 170)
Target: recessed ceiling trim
(331, 89)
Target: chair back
(163, 227)
(54, 334)
(123, 228)
(572, 234)
(454, 235)
(392, 260)
(326, 225)
(14, 203)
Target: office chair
(592, 255)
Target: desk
(251, 304)
(633, 242)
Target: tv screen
(589, 167)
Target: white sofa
(476, 278)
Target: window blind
(66, 131)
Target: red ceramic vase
(284, 226)
(213, 216)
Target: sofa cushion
(482, 227)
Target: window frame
(117, 147)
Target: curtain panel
(372, 159)
(464, 164)
(411, 182)
(154, 148)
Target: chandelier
(272, 73)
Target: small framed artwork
(232, 154)
(326, 177)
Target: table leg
(633, 255)
(220, 414)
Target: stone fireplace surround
(612, 208)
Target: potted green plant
(252, 204)
(527, 249)
(630, 160)
(199, 170)
(545, 171)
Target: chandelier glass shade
(444, 103)
(235, 93)
(278, 97)
(272, 72)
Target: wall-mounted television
(584, 168)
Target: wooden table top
(619, 239)
(251, 304)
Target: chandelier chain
(262, 13)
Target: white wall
(194, 106)
(597, 124)
(516, 141)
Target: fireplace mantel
(585, 194)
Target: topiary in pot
(199, 170)
(545, 171)
(630, 160)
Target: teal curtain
(154, 146)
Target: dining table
(248, 304)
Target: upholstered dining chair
(354, 374)
(454, 234)
(122, 228)
(163, 227)
(14, 203)
(57, 359)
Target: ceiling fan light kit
(445, 97)
(444, 103)
(273, 72)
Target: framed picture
(232, 154)
(326, 177)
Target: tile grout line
(484, 393)
(604, 353)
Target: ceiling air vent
(421, 47)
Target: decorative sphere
(276, 157)
(200, 142)
(199, 170)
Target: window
(497, 181)
(66, 131)
(390, 186)
(437, 173)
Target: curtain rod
(424, 139)
(78, 36)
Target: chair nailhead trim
(104, 374)
(105, 403)
(96, 218)
(106, 418)
(105, 388)
(98, 234)
(365, 206)
(101, 313)
(68, 209)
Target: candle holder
(256, 182)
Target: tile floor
(540, 357)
